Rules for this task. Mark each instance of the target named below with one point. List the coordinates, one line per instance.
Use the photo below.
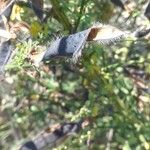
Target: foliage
(96, 87)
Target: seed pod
(5, 52)
(147, 11)
(5, 10)
(37, 6)
(72, 45)
(118, 3)
(67, 46)
(51, 137)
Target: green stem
(80, 15)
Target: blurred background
(109, 85)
